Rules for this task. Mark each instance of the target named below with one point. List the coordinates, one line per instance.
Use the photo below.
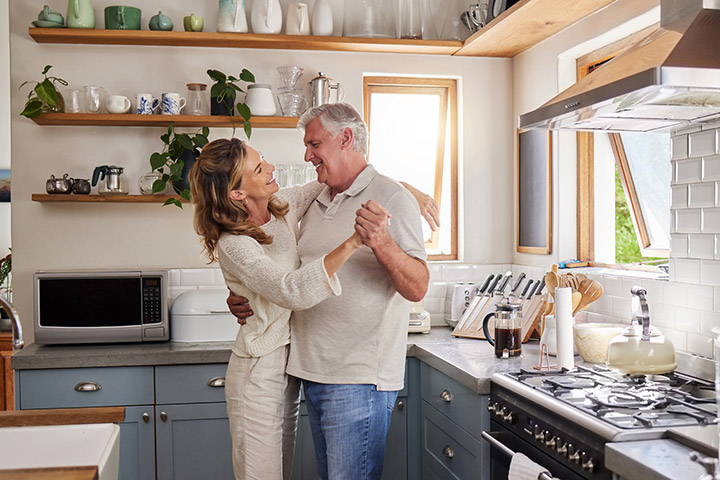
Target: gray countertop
(470, 362)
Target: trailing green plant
(43, 96)
(169, 162)
(225, 90)
(6, 275)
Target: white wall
(58, 236)
(4, 121)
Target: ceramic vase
(80, 14)
(231, 16)
(266, 16)
(322, 18)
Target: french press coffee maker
(508, 329)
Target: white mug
(171, 104)
(145, 104)
(117, 104)
(298, 20)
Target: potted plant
(175, 160)
(223, 94)
(44, 97)
(5, 277)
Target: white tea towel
(522, 468)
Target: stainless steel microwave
(101, 306)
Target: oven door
(504, 443)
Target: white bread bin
(202, 316)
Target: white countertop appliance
(419, 321)
(202, 316)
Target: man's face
(326, 154)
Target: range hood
(668, 80)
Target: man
(350, 351)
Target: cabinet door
(137, 444)
(396, 453)
(193, 442)
(304, 464)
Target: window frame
(446, 89)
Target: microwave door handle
(494, 442)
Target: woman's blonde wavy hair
(218, 171)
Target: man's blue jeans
(349, 424)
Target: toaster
(457, 299)
(419, 321)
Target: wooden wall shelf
(134, 120)
(525, 24)
(242, 40)
(95, 198)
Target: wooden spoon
(591, 291)
(576, 298)
(551, 282)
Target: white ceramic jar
(260, 100)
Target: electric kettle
(641, 349)
(112, 180)
(321, 87)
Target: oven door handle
(507, 451)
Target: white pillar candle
(564, 325)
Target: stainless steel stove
(562, 420)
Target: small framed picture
(4, 185)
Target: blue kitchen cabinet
(131, 387)
(453, 418)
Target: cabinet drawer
(85, 387)
(448, 450)
(453, 400)
(190, 383)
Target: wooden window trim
(446, 89)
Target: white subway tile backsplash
(456, 273)
(709, 320)
(687, 270)
(174, 277)
(710, 272)
(700, 345)
(679, 147)
(435, 272)
(687, 320)
(675, 294)
(678, 245)
(436, 289)
(688, 171)
(197, 276)
(679, 196)
(434, 305)
(613, 286)
(702, 195)
(480, 272)
(662, 315)
(699, 246)
(700, 297)
(716, 299)
(689, 221)
(219, 279)
(701, 143)
(174, 292)
(678, 339)
(711, 220)
(711, 168)
(621, 307)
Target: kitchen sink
(62, 446)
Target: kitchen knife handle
(485, 284)
(519, 280)
(527, 287)
(540, 287)
(501, 288)
(533, 289)
(494, 282)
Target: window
(413, 138)
(623, 190)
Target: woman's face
(258, 179)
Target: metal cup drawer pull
(216, 382)
(145, 417)
(448, 451)
(163, 416)
(87, 387)
(446, 396)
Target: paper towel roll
(564, 325)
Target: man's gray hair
(336, 117)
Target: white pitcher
(322, 18)
(231, 16)
(266, 16)
(298, 20)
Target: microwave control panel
(152, 300)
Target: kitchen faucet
(17, 342)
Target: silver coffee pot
(321, 87)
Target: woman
(253, 233)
